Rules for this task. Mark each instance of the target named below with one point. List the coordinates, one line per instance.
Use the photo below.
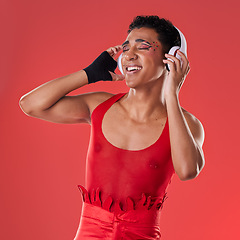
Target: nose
(130, 55)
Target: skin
(137, 120)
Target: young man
(139, 139)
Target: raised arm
(186, 131)
(49, 101)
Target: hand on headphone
(113, 51)
(177, 73)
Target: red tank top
(122, 178)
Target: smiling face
(142, 57)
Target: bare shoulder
(93, 99)
(195, 126)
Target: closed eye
(125, 49)
(142, 47)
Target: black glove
(98, 70)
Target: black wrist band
(98, 70)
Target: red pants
(98, 223)
(135, 224)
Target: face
(142, 57)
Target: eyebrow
(137, 40)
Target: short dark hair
(168, 35)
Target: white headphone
(172, 51)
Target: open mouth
(133, 69)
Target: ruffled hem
(145, 203)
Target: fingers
(185, 66)
(114, 50)
(117, 77)
(175, 63)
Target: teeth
(133, 68)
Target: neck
(146, 102)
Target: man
(139, 139)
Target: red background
(42, 162)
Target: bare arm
(186, 137)
(48, 101)
(186, 131)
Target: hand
(103, 67)
(113, 51)
(177, 74)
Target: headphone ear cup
(119, 63)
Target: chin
(132, 82)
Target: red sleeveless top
(119, 179)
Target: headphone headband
(183, 47)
